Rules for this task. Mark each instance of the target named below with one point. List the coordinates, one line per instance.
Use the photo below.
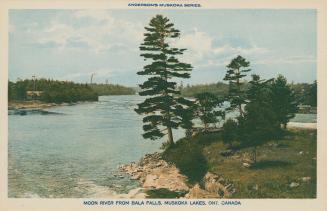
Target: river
(74, 151)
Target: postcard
(151, 105)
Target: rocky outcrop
(213, 186)
(155, 173)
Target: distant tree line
(218, 89)
(112, 89)
(55, 91)
(305, 93)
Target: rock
(221, 180)
(228, 186)
(294, 185)
(154, 172)
(301, 152)
(150, 181)
(306, 179)
(211, 188)
(212, 184)
(198, 193)
(227, 153)
(246, 165)
(136, 176)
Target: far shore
(12, 105)
(36, 104)
(302, 125)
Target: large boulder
(212, 186)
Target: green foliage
(205, 108)
(163, 107)
(276, 169)
(259, 123)
(219, 89)
(112, 89)
(305, 93)
(284, 102)
(188, 157)
(164, 193)
(236, 71)
(53, 91)
(311, 94)
(230, 133)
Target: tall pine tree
(163, 108)
(236, 70)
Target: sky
(73, 44)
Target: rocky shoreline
(154, 173)
(29, 105)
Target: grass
(279, 163)
(163, 193)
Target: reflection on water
(77, 154)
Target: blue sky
(73, 44)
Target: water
(305, 118)
(76, 153)
(69, 155)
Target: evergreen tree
(206, 109)
(311, 94)
(230, 133)
(164, 109)
(284, 103)
(259, 123)
(236, 71)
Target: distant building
(33, 95)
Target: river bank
(36, 104)
(200, 167)
(14, 105)
(161, 179)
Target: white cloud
(202, 52)
(98, 36)
(196, 41)
(98, 15)
(287, 60)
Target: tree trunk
(284, 125)
(239, 90)
(254, 155)
(170, 136)
(241, 111)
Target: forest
(55, 91)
